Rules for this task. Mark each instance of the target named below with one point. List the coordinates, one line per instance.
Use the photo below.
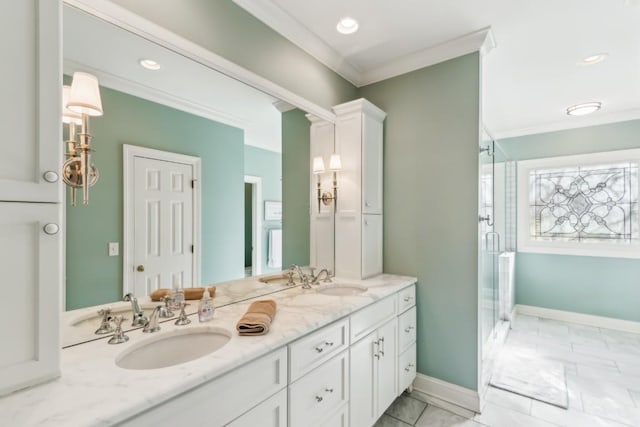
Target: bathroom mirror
(186, 109)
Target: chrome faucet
(152, 325)
(327, 277)
(303, 277)
(139, 319)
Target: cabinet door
(270, 413)
(371, 166)
(30, 118)
(363, 381)
(387, 371)
(30, 261)
(371, 245)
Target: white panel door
(371, 166)
(371, 245)
(363, 381)
(387, 365)
(30, 267)
(30, 117)
(163, 225)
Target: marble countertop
(93, 391)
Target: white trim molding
(129, 152)
(594, 248)
(443, 393)
(256, 220)
(579, 318)
(279, 20)
(125, 19)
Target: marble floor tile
(497, 416)
(569, 417)
(508, 400)
(406, 409)
(599, 388)
(611, 409)
(436, 417)
(388, 421)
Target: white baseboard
(457, 399)
(583, 319)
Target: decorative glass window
(581, 205)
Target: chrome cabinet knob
(50, 176)
(51, 228)
(140, 268)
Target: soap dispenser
(205, 308)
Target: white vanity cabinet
(30, 233)
(358, 218)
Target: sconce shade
(84, 97)
(69, 116)
(335, 164)
(318, 165)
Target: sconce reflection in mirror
(335, 165)
(79, 101)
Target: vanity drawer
(340, 418)
(319, 393)
(270, 413)
(311, 351)
(406, 298)
(406, 329)
(369, 318)
(407, 368)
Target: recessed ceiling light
(584, 109)
(150, 64)
(347, 25)
(594, 59)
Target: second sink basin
(173, 348)
(342, 289)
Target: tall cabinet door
(387, 371)
(30, 267)
(363, 381)
(30, 116)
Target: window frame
(597, 249)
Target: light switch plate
(114, 248)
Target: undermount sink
(342, 289)
(173, 348)
(93, 319)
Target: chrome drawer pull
(319, 349)
(319, 398)
(409, 366)
(376, 343)
(407, 299)
(409, 328)
(382, 350)
(326, 344)
(329, 343)
(328, 390)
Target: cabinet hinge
(193, 183)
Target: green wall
(229, 31)
(95, 278)
(295, 188)
(267, 165)
(431, 206)
(248, 226)
(592, 285)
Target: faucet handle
(118, 335)
(152, 324)
(105, 324)
(165, 312)
(183, 319)
(327, 279)
(312, 270)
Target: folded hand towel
(257, 319)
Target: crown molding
(481, 41)
(360, 106)
(156, 95)
(574, 123)
(288, 27)
(283, 106)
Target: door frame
(129, 152)
(256, 220)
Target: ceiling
(113, 54)
(531, 76)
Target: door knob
(140, 268)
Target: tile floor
(602, 372)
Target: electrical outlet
(114, 248)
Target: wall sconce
(80, 101)
(335, 165)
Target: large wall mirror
(190, 111)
